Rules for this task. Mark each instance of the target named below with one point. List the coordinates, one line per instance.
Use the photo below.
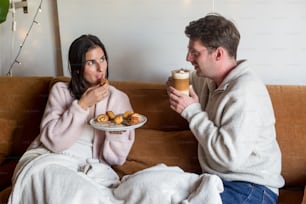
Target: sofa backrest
(23, 99)
(289, 103)
(151, 100)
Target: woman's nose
(99, 66)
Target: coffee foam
(180, 74)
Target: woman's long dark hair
(77, 57)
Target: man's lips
(196, 67)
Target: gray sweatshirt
(235, 127)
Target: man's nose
(189, 57)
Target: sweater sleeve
(63, 119)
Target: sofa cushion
(151, 147)
(7, 128)
(290, 196)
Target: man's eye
(194, 53)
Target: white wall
(41, 53)
(145, 38)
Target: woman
(69, 156)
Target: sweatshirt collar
(235, 73)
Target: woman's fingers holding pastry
(101, 92)
(103, 81)
(93, 95)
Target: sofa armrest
(6, 173)
(5, 194)
(304, 197)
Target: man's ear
(219, 53)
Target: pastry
(135, 118)
(102, 118)
(111, 115)
(118, 119)
(127, 114)
(103, 81)
(127, 118)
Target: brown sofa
(165, 137)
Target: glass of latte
(181, 80)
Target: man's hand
(178, 100)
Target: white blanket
(169, 185)
(56, 179)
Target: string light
(10, 71)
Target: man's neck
(228, 66)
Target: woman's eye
(93, 62)
(90, 62)
(102, 59)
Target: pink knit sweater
(64, 120)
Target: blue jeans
(240, 192)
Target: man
(230, 113)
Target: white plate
(110, 126)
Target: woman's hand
(93, 95)
(117, 132)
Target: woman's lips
(99, 78)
